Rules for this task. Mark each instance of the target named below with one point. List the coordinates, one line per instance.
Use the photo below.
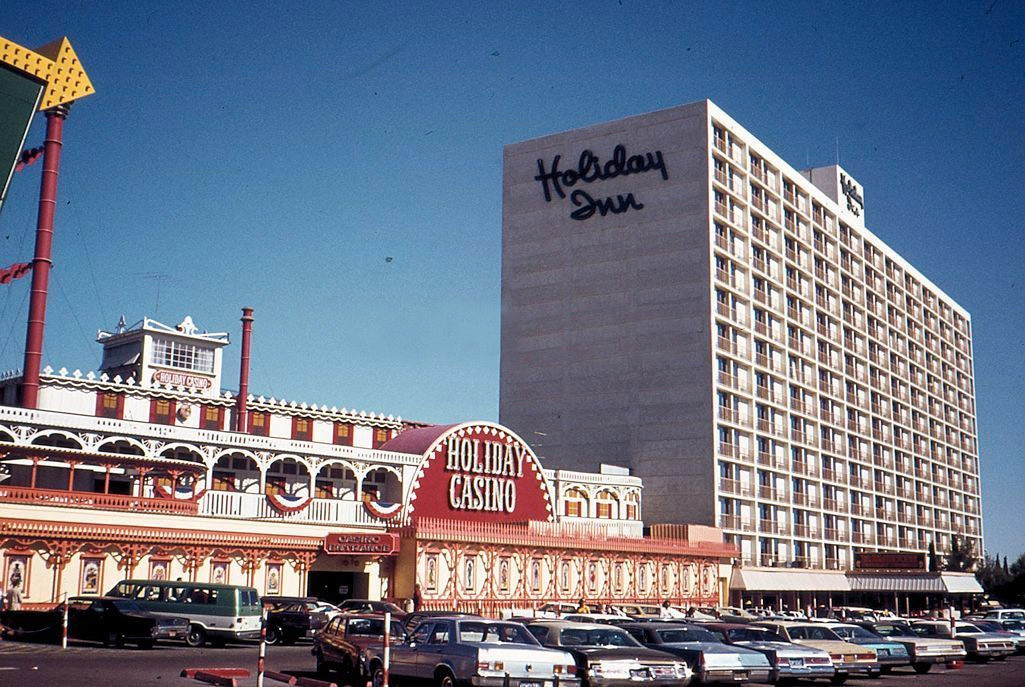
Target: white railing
(244, 506)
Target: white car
(1006, 614)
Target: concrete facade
(727, 327)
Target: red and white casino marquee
(483, 534)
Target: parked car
(608, 656)
(416, 617)
(981, 646)
(113, 621)
(290, 618)
(848, 659)
(924, 652)
(1001, 628)
(452, 651)
(603, 618)
(640, 611)
(556, 609)
(349, 641)
(371, 606)
(711, 660)
(890, 654)
(787, 661)
(220, 612)
(328, 609)
(1006, 613)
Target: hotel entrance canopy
(929, 583)
(789, 581)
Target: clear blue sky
(277, 154)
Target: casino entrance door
(335, 587)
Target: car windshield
(373, 627)
(493, 633)
(813, 632)
(894, 630)
(578, 636)
(753, 634)
(1014, 625)
(967, 629)
(853, 632)
(686, 634)
(990, 626)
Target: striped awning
(922, 583)
(790, 580)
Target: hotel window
(302, 428)
(343, 433)
(213, 417)
(110, 405)
(325, 489)
(161, 411)
(380, 436)
(259, 423)
(606, 506)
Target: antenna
(837, 150)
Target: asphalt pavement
(86, 665)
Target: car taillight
(482, 666)
(817, 660)
(837, 657)
(781, 661)
(865, 657)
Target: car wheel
(113, 640)
(377, 675)
(886, 670)
(1001, 658)
(196, 636)
(838, 679)
(146, 643)
(875, 674)
(445, 679)
(273, 634)
(921, 668)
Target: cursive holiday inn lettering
(589, 169)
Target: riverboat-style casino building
(149, 469)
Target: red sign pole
(42, 261)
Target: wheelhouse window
(110, 405)
(182, 355)
(161, 411)
(380, 436)
(259, 423)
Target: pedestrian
(13, 596)
(582, 607)
(665, 612)
(417, 597)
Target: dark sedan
(608, 656)
(711, 660)
(113, 621)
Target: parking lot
(23, 663)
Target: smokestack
(41, 261)
(243, 371)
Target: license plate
(797, 663)
(640, 672)
(740, 675)
(530, 683)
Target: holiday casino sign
(476, 471)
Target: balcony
(246, 506)
(87, 499)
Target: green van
(218, 612)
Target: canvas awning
(922, 583)
(760, 580)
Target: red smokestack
(243, 371)
(42, 260)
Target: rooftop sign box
(889, 561)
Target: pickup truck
(479, 652)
